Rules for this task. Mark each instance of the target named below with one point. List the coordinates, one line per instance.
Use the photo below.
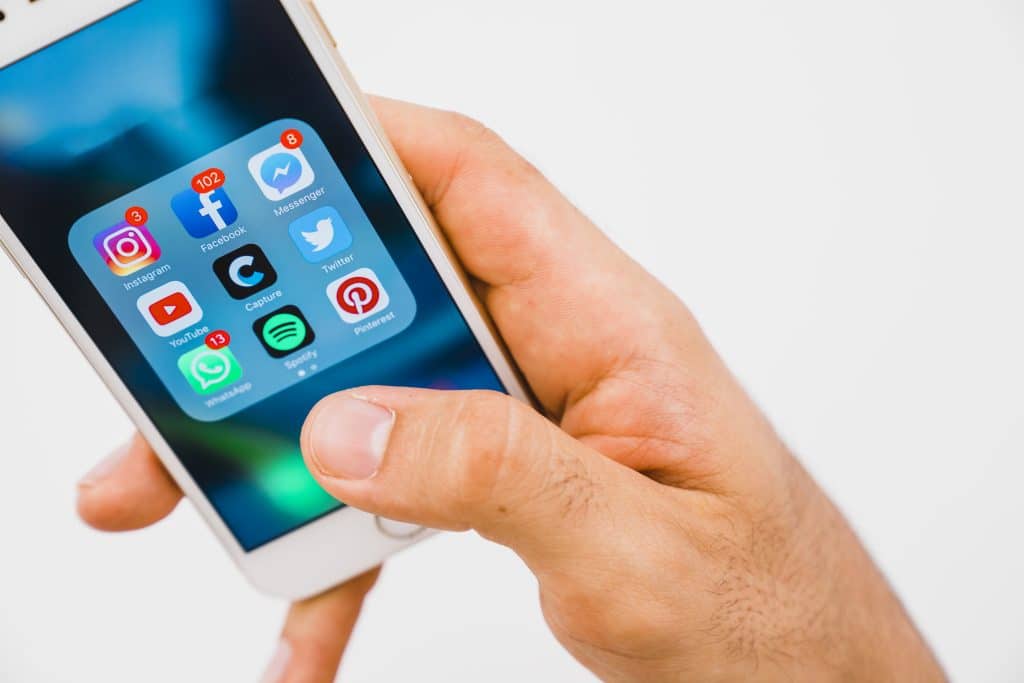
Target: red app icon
(358, 295)
(170, 308)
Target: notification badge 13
(127, 248)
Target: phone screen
(183, 174)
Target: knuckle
(507, 458)
(473, 129)
(481, 141)
(486, 447)
(670, 434)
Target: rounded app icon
(321, 234)
(358, 295)
(127, 248)
(245, 271)
(281, 172)
(169, 309)
(208, 370)
(204, 214)
(284, 331)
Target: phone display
(289, 276)
(186, 179)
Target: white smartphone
(200, 193)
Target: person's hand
(673, 535)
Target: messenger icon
(281, 172)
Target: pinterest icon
(358, 295)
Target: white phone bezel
(343, 543)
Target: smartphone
(201, 194)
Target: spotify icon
(284, 331)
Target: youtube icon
(169, 309)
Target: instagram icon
(127, 248)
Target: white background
(836, 190)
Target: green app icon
(284, 331)
(208, 370)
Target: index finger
(316, 633)
(128, 490)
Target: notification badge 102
(127, 248)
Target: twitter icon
(321, 234)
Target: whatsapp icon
(208, 370)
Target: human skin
(673, 535)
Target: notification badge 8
(282, 170)
(127, 248)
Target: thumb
(461, 460)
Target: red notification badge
(136, 216)
(291, 139)
(209, 180)
(218, 339)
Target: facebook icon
(204, 214)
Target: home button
(402, 531)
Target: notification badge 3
(127, 248)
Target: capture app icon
(245, 271)
(127, 248)
(204, 214)
(208, 370)
(321, 234)
(281, 172)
